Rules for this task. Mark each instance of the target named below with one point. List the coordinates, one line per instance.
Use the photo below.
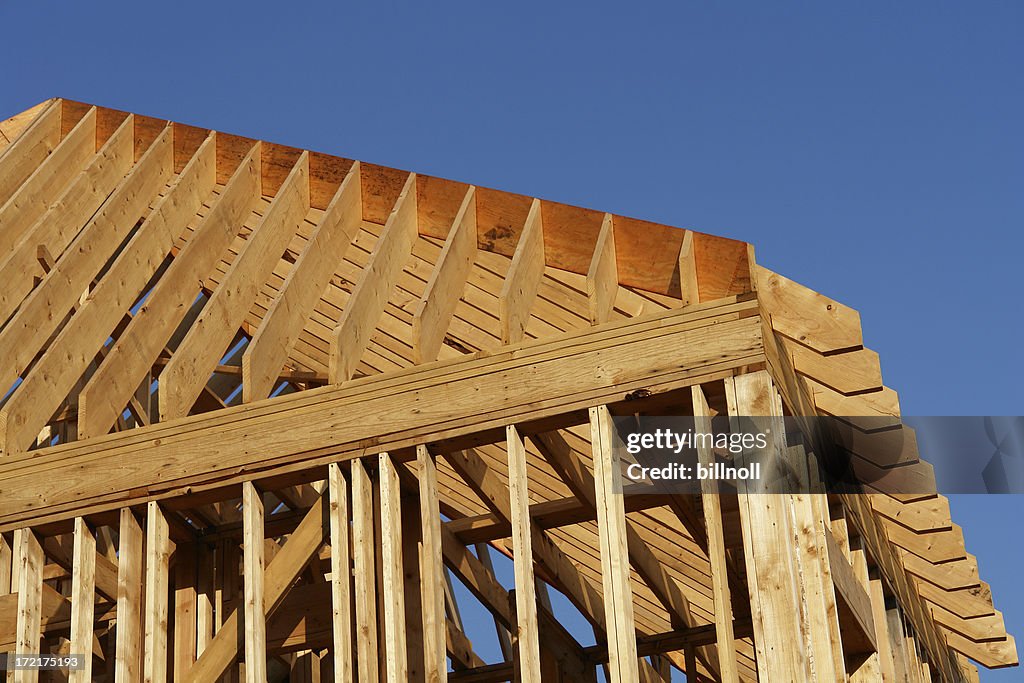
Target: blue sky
(872, 151)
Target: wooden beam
(581, 482)
(134, 353)
(186, 598)
(603, 274)
(29, 150)
(76, 346)
(431, 570)
(341, 575)
(184, 377)
(391, 566)
(522, 282)
(712, 505)
(370, 295)
(33, 198)
(83, 598)
(128, 650)
(805, 316)
(436, 307)
(365, 573)
(6, 566)
(688, 286)
(54, 230)
(527, 637)
(278, 578)
(790, 644)
(46, 307)
(252, 572)
(30, 560)
(611, 522)
(538, 382)
(158, 553)
(280, 327)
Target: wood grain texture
(359, 318)
(184, 377)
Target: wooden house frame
(263, 406)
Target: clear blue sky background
(872, 151)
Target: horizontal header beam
(447, 404)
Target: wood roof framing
(453, 333)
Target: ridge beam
(522, 282)
(283, 322)
(370, 296)
(195, 359)
(437, 305)
(132, 356)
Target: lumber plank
(132, 355)
(45, 308)
(341, 575)
(807, 317)
(523, 278)
(6, 565)
(768, 552)
(184, 377)
(688, 285)
(363, 549)
(158, 553)
(436, 306)
(83, 598)
(611, 522)
(369, 297)
(252, 572)
(65, 217)
(712, 505)
(29, 630)
(128, 648)
(391, 566)
(29, 150)
(603, 274)
(527, 632)
(431, 570)
(186, 583)
(517, 384)
(279, 330)
(76, 346)
(31, 200)
(278, 578)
